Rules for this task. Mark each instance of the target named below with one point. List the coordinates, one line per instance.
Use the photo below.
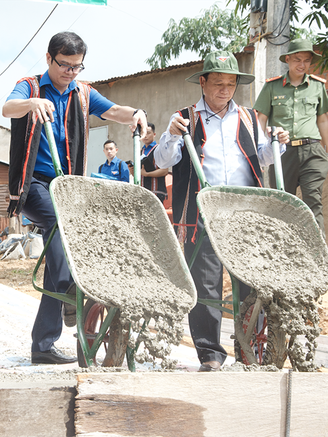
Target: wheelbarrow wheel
(268, 342)
(112, 351)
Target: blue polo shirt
(98, 105)
(113, 170)
(146, 150)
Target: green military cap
(221, 62)
(300, 45)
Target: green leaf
(213, 30)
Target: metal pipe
(289, 397)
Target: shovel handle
(277, 160)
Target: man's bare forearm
(16, 108)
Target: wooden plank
(37, 412)
(309, 405)
(225, 404)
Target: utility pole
(277, 42)
(269, 32)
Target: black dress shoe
(69, 311)
(210, 366)
(52, 356)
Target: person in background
(56, 96)
(152, 177)
(232, 148)
(114, 168)
(298, 102)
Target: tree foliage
(318, 15)
(213, 30)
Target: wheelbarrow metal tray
(220, 204)
(120, 244)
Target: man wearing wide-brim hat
(298, 102)
(232, 148)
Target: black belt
(42, 177)
(302, 142)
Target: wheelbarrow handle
(136, 156)
(53, 148)
(277, 160)
(195, 160)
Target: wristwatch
(139, 110)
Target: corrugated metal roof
(247, 49)
(143, 73)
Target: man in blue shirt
(114, 168)
(57, 96)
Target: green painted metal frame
(89, 353)
(215, 303)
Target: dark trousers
(305, 166)
(48, 323)
(205, 321)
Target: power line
(29, 41)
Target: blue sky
(120, 36)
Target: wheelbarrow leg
(90, 352)
(80, 328)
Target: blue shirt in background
(116, 171)
(146, 150)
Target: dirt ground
(17, 274)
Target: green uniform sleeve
(263, 102)
(323, 101)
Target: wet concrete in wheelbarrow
(284, 260)
(123, 252)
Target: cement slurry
(286, 263)
(123, 252)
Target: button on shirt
(294, 108)
(224, 163)
(98, 105)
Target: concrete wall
(4, 144)
(160, 93)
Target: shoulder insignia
(320, 79)
(273, 78)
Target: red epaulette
(273, 78)
(320, 79)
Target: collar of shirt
(224, 162)
(203, 106)
(45, 80)
(113, 161)
(286, 79)
(146, 150)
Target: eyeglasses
(67, 68)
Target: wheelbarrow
(124, 258)
(224, 210)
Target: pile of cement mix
(284, 262)
(123, 252)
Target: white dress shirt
(224, 163)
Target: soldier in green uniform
(298, 103)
